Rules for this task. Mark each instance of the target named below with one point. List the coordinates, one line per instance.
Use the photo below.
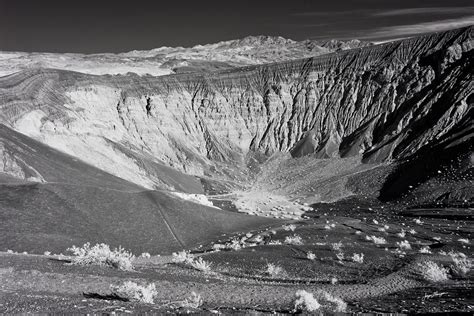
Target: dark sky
(88, 26)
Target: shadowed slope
(83, 203)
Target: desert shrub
(274, 271)
(333, 303)
(402, 233)
(134, 292)
(201, 265)
(305, 301)
(293, 240)
(404, 244)
(432, 272)
(376, 240)
(463, 240)
(461, 263)
(182, 256)
(102, 255)
(336, 246)
(310, 302)
(359, 258)
(290, 227)
(145, 255)
(425, 249)
(310, 255)
(193, 301)
(340, 256)
(234, 245)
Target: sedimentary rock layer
(383, 102)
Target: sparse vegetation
(461, 263)
(293, 240)
(404, 244)
(274, 270)
(425, 249)
(182, 256)
(102, 255)
(359, 258)
(310, 255)
(305, 301)
(336, 246)
(289, 227)
(134, 292)
(376, 240)
(402, 233)
(432, 272)
(194, 301)
(201, 265)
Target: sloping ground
(74, 203)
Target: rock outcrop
(383, 103)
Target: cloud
(428, 10)
(419, 28)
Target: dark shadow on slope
(84, 204)
(443, 169)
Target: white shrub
(310, 302)
(194, 301)
(145, 255)
(310, 255)
(182, 256)
(337, 304)
(462, 264)
(336, 246)
(102, 255)
(201, 265)
(359, 258)
(404, 244)
(425, 249)
(290, 227)
(274, 271)
(463, 240)
(432, 272)
(132, 291)
(47, 253)
(340, 256)
(376, 240)
(293, 240)
(402, 234)
(334, 280)
(274, 242)
(305, 301)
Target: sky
(96, 26)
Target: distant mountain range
(250, 50)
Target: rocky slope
(382, 103)
(165, 60)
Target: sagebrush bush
(359, 258)
(201, 265)
(134, 292)
(293, 240)
(102, 255)
(274, 271)
(461, 263)
(182, 256)
(376, 240)
(305, 301)
(312, 302)
(310, 255)
(432, 272)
